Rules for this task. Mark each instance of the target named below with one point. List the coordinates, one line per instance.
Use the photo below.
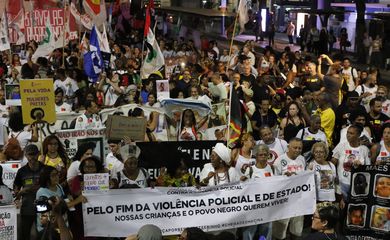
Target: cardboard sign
(37, 100)
(121, 126)
(96, 182)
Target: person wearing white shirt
(367, 91)
(357, 117)
(84, 151)
(113, 162)
(313, 132)
(68, 84)
(217, 88)
(383, 93)
(90, 119)
(346, 155)
(277, 146)
(260, 170)
(246, 51)
(350, 74)
(61, 106)
(111, 89)
(289, 164)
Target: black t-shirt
(313, 83)
(250, 78)
(270, 119)
(259, 93)
(376, 126)
(323, 236)
(25, 177)
(342, 114)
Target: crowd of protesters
(300, 112)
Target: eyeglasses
(314, 216)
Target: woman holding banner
(261, 169)
(242, 157)
(218, 172)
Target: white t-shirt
(346, 155)
(384, 155)
(64, 107)
(262, 172)
(277, 148)
(218, 90)
(141, 180)
(325, 176)
(285, 164)
(73, 170)
(252, 58)
(343, 134)
(69, 86)
(110, 96)
(113, 164)
(363, 89)
(83, 122)
(233, 175)
(307, 135)
(24, 137)
(3, 122)
(350, 78)
(241, 160)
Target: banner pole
(64, 35)
(229, 116)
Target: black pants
(290, 39)
(26, 223)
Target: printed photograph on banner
(214, 133)
(217, 116)
(162, 87)
(382, 186)
(360, 184)
(380, 218)
(356, 215)
(12, 95)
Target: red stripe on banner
(94, 5)
(15, 165)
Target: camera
(42, 204)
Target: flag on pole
(243, 14)
(154, 59)
(104, 47)
(235, 123)
(93, 62)
(4, 40)
(96, 9)
(147, 17)
(48, 43)
(83, 45)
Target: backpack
(13, 150)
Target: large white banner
(213, 208)
(8, 229)
(10, 168)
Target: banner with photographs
(72, 139)
(368, 211)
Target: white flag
(4, 40)
(103, 40)
(154, 60)
(48, 43)
(243, 14)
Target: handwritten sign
(121, 126)
(96, 182)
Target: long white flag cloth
(124, 211)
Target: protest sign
(74, 138)
(34, 23)
(10, 168)
(38, 100)
(12, 95)
(162, 89)
(121, 126)
(8, 227)
(368, 210)
(211, 209)
(155, 155)
(96, 182)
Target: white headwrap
(223, 152)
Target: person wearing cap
(219, 170)
(26, 185)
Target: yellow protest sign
(37, 100)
